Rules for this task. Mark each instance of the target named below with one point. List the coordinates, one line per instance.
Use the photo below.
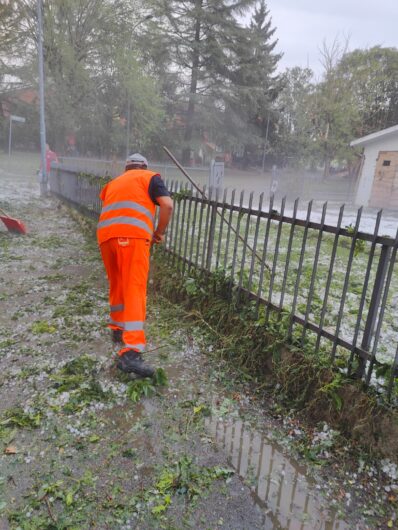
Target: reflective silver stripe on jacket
(138, 347)
(115, 308)
(128, 204)
(126, 221)
(134, 325)
(115, 323)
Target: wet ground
(84, 448)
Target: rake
(13, 225)
(220, 214)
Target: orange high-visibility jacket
(127, 208)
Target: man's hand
(157, 238)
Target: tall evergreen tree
(254, 84)
(200, 35)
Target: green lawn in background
(20, 162)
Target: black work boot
(132, 361)
(117, 335)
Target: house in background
(29, 96)
(377, 183)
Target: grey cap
(137, 160)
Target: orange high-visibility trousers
(126, 262)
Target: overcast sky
(303, 25)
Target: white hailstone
(389, 468)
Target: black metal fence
(77, 188)
(334, 287)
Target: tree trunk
(328, 158)
(186, 155)
(326, 169)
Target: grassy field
(20, 162)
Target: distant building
(21, 95)
(377, 183)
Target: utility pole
(44, 176)
(10, 137)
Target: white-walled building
(377, 183)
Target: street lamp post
(128, 120)
(44, 176)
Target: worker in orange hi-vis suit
(125, 234)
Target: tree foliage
(294, 138)
(254, 85)
(372, 78)
(357, 95)
(223, 68)
(334, 113)
(189, 74)
(90, 72)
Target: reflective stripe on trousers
(126, 262)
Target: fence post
(374, 306)
(212, 229)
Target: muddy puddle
(279, 486)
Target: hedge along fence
(332, 287)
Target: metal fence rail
(78, 188)
(112, 168)
(335, 287)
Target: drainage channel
(279, 485)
